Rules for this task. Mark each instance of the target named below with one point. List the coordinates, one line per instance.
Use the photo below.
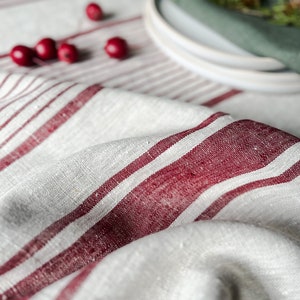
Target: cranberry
(94, 12)
(46, 49)
(67, 53)
(116, 47)
(22, 55)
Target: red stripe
(221, 98)
(4, 55)
(40, 241)
(16, 2)
(208, 89)
(73, 286)
(158, 82)
(99, 27)
(36, 114)
(129, 70)
(156, 202)
(21, 96)
(50, 126)
(16, 113)
(152, 68)
(80, 71)
(96, 28)
(194, 86)
(225, 199)
(95, 59)
(13, 87)
(101, 70)
(5, 79)
(24, 89)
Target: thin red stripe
(5, 79)
(216, 100)
(95, 59)
(36, 114)
(106, 25)
(38, 242)
(225, 199)
(156, 202)
(189, 87)
(99, 27)
(209, 88)
(127, 25)
(128, 70)
(41, 240)
(25, 88)
(139, 73)
(14, 3)
(13, 87)
(100, 71)
(158, 82)
(21, 96)
(16, 113)
(50, 126)
(4, 55)
(73, 286)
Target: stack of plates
(202, 50)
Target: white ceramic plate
(272, 82)
(202, 41)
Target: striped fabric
(115, 183)
(8, 3)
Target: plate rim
(206, 52)
(241, 79)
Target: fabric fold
(204, 260)
(93, 185)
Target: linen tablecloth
(137, 179)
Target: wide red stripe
(39, 241)
(225, 199)
(216, 100)
(50, 126)
(36, 114)
(238, 148)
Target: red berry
(46, 49)
(116, 47)
(22, 55)
(94, 12)
(68, 53)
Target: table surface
(146, 71)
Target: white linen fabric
(116, 184)
(203, 260)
